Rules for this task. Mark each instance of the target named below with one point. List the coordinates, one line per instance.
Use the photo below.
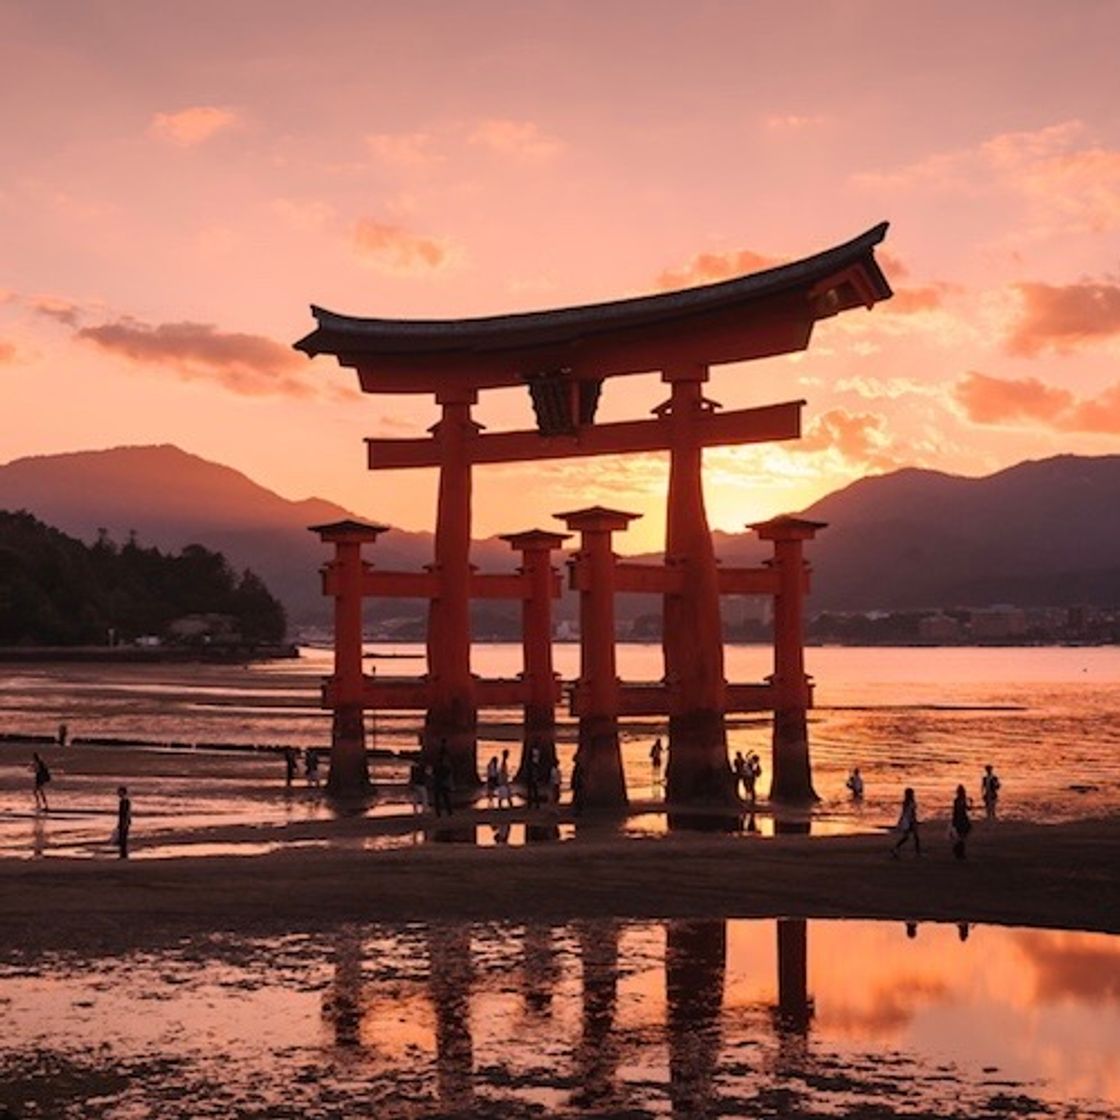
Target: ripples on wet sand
(599, 1018)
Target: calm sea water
(1048, 719)
(691, 1019)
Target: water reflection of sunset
(684, 1015)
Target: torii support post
(342, 577)
(452, 715)
(698, 770)
(593, 569)
(792, 781)
(539, 726)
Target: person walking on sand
(655, 753)
(289, 766)
(855, 784)
(63, 734)
(533, 777)
(907, 826)
(41, 775)
(124, 821)
(989, 792)
(960, 825)
(739, 766)
(418, 786)
(311, 766)
(752, 771)
(441, 780)
(504, 794)
(491, 781)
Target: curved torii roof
(756, 315)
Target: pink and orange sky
(178, 183)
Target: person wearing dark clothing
(533, 777)
(289, 765)
(577, 786)
(42, 776)
(124, 821)
(441, 781)
(960, 826)
(63, 734)
(311, 766)
(907, 826)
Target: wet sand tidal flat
(267, 953)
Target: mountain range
(1039, 533)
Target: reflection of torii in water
(596, 1057)
(450, 971)
(695, 964)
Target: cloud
(910, 301)
(795, 121)
(520, 140)
(1062, 319)
(396, 251)
(1070, 183)
(248, 364)
(997, 400)
(991, 400)
(408, 150)
(192, 126)
(859, 437)
(55, 307)
(708, 268)
(7, 352)
(893, 266)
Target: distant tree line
(55, 590)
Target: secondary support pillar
(698, 770)
(452, 716)
(342, 580)
(536, 548)
(793, 695)
(597, 696)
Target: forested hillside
(55, 590)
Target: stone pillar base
(457, 726)
(792, 780)
(600, 764)
(349, 769)
(697, 774)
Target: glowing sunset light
(174, 200)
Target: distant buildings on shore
(1001, 624)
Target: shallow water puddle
(679, 1018)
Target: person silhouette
(989, 791)
(124, 821)
(960, 825)
(41, 775)
(907, 826)
(855, 784)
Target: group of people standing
(960, 820)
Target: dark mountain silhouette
(1039, 533)
(170, 499)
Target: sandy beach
(1061, 876)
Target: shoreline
(1060, 876)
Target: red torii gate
(563, 357)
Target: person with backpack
(42, 776)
